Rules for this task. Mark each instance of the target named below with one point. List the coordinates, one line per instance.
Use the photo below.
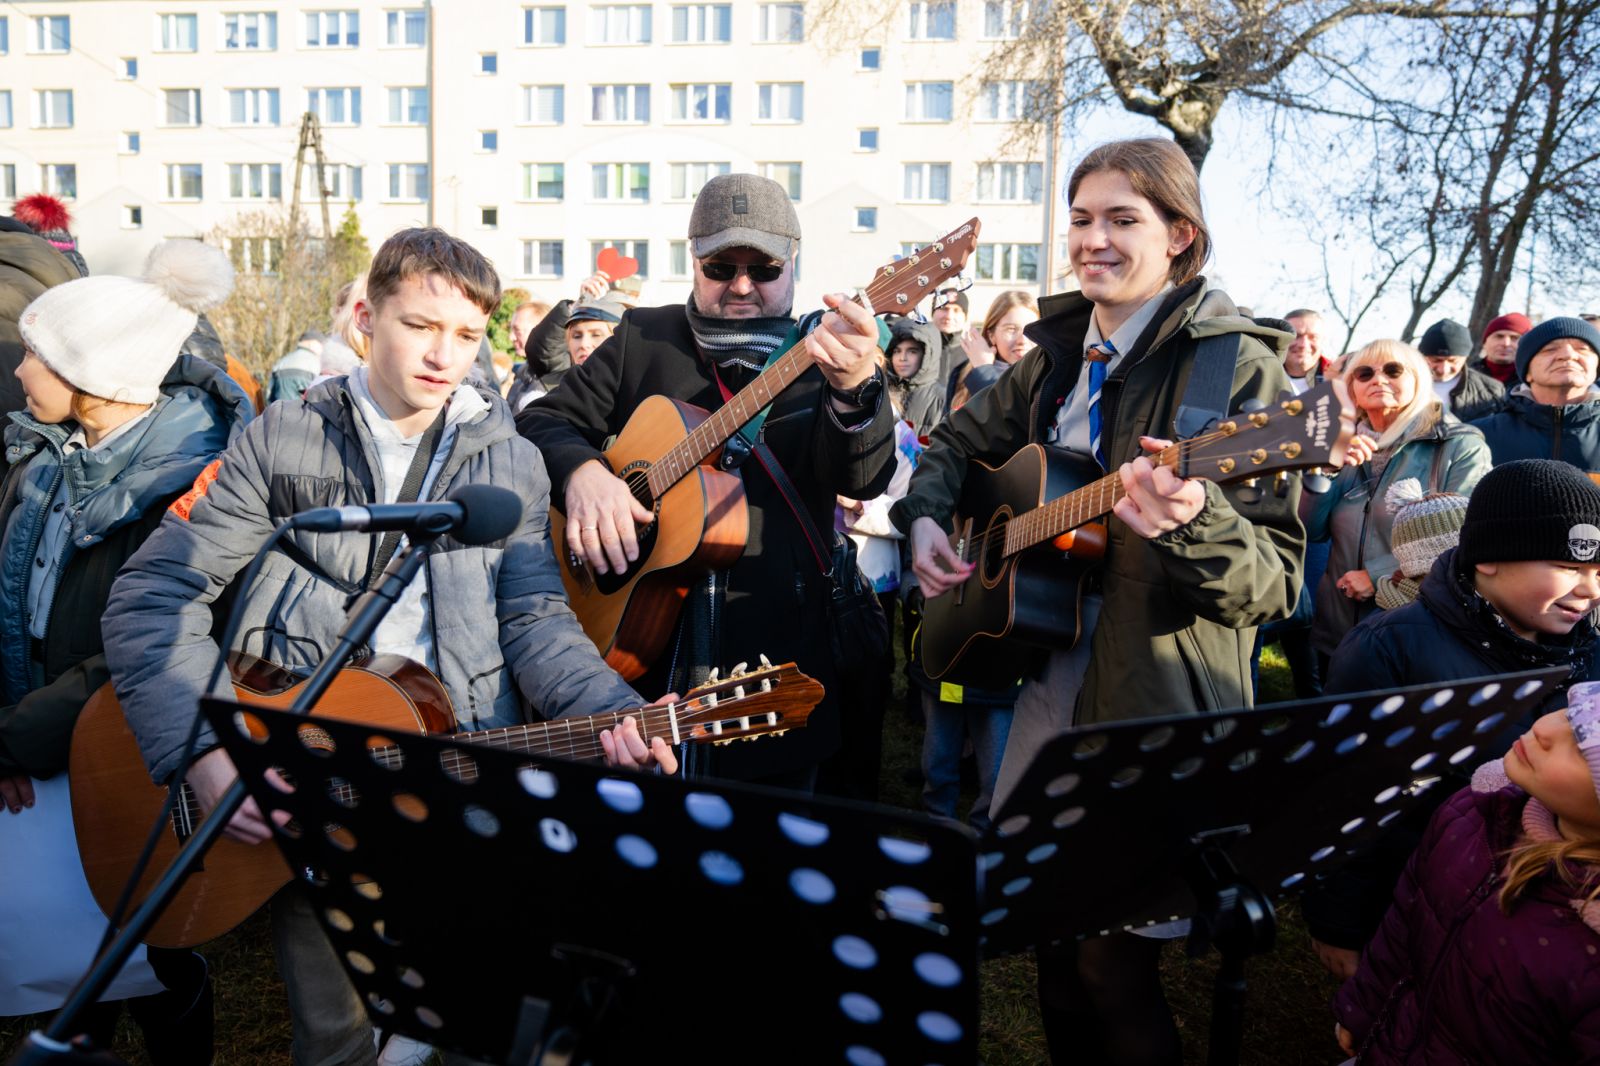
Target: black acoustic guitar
(1030, 526)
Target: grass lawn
(1287, 1017)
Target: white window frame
(687, 96)
(45, 41)
(264, 23)
(252, 101)
(129, 142)
(345, 22)
(418, 175)
(401, 109)
(528, 115)
(927, 176)
(698, 19)
(196, 114)
(624, 98)
(484, 221)
(685, 180)
(773, 18)
(174, 182)
(923, 16)
(865, 220)
(678, 253)
(877, 138)
(619, 25)
(1020, 14)
(396, 20)
(626, 173)
(877, 55)
(488, 64)
(127, 68)
(533, 260)
(530, 184)
(47, 103)
(318, 97)
(1004, 101)
(344, 181)
(8, 111)
(132, 216)
(782, 171)
(636, 248)
(5, 49)
(245, 178)
(532, 35)
(167, 24)
(1005, 260)
(8, 181)
(767, 94)
(994, 177)
(488, 142)
(920, 91)
(246, 251)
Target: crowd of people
(1460, 539)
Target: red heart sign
(615, 265)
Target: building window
(622, 181)
(183, 181)
(52, 109)
(638, 251)
(544, 26)
(128, 68)
(59, 179)
(129, 144)
(866, 220)
(488, 62)
(336, 105)
(408, 106)
(489, 217)
(544, 181)
(52, 33)
(250, 31)
(408, 181)
(930, 101)
(933, 20)
(8, 178)
(544, 105)
(619, 103)
(183, 107)
(180, 33)
(544, 259)
(333, 29)
(781, 23)
(927, 183)
(702, 23)
(406, 29)
(702, 102)
(689, 178)
(255, 255)
(1007, 262)
(1011, 183)
(785, 174)
(1007, 101)
(867, 139)
(1005, 19)
(5, 43)
(132, 216)
(488, 140)
(255, 181)
(253, 107)
(678, 259)
(341, 180)
(780, 101)
(619, 24)
(5, 109)
(871, 59)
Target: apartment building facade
(540, 131)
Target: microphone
(474, 514)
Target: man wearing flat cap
(832, 433)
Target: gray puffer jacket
(317, 453)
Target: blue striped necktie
(1098, 356)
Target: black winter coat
(546, 354)
(1477, 395)
(1523, 428)
(777, 596)
(1450, 633)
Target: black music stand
(1212, 817)
(643, 914)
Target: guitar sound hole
(991, 551)
(638, 482)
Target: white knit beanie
(115, 337)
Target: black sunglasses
(760, 273)
(1392, 371)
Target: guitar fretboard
(1077, 507)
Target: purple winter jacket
(1450, 979)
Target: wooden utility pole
(310, 137)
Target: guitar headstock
(900, 285)
(746, 704)
(1296, 432)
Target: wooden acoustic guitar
(667, 454)
(1030, 527)
(114, 803)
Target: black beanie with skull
(1532, 509)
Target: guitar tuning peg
(740, 670)
(766, 663)
(1316, 482)
(712, 678)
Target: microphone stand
(54, 1044)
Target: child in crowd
(1491, 952)
(1425, 527)
(913, 376)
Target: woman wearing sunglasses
(1403, 432)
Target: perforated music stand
(1131, 824)
(642, 914)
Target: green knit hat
(1425, 527)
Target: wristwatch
(863, 395)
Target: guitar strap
(1210, 385)
(416, 473)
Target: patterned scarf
(738, 342)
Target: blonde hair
(1003, 305)
(1422, 399)
(344, 326)
(1530, 860)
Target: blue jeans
(947, 727)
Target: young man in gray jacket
(351, 441)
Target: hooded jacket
(919, 398)
(28, 266)
(546, 354)
(1524, 428)
(115, 497)
(504, 638)
(1178, 627)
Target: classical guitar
(667, 454)
(1030, 527)
(114, 802)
